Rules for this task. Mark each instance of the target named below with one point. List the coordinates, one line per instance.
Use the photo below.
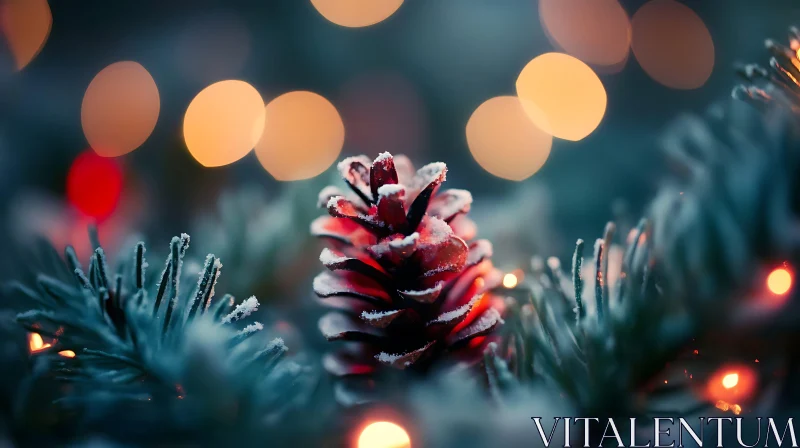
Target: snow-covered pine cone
(406, 285)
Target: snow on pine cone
(406, 286)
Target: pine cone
(406, 285)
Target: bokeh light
(223, 122)
(36, 343)
(732, 384)
(509, 280)
(26, 25)
(566, 92)
(504, 141)
(67, 353)
(213, 47)
(672, 44)
(383, 112)
(94, 184)
(594, 31)
(120, 109)
(303, 136)
(779, 281)
(384, 435)
(356, 13)
(730, 380)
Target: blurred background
(139, 114)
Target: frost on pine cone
(406, 286)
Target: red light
(94, 184)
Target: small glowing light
(384, 435)
(356, 13)
(26, 25)
(504, 141)
(672, 44)
(67, 353)
(94, 184)
(510, 280)
(779, 281)
(120, 109)
(594, 31)
(730, 380)
(303, 136)
(732, 384)
(36, 343)
(223, 122)
(566, 92)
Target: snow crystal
(456, 313)
(252, 328)
(402, 243)
(387, 358)
(382, 157)
(327, 193)
(345, 164)
(424, 292)
(333, 200)
(328, 257)
(486, 321)
(242, 310)
(276, 344)
(377, 315)
(429, 171)
(598, 246)
(390, 190)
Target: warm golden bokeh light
(26, 25)
(730, 380)
(504, 141)
(779, 281)
(672, 44)
(223, 122)
(67, 353)
(356, 13)
(120, 109)
(566, 92)
(384, 435)
(303, 136)
(509, 280)
(594, 31)
(36, 343)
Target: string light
(36, 343)
(509, 280)
(779, 281)
(384, 435)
